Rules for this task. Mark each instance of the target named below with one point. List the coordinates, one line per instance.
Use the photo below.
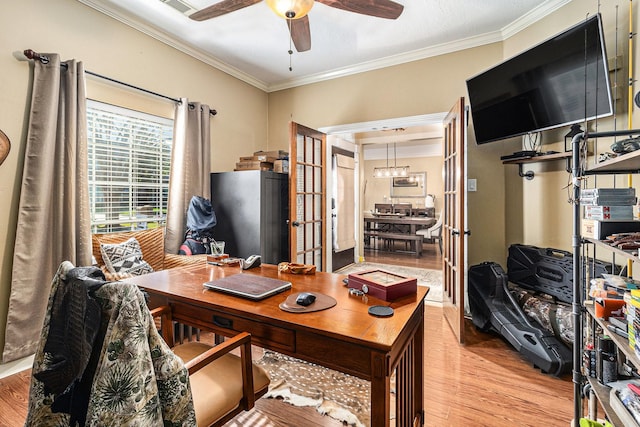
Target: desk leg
(418, 379)
(380, 391)
(409, 384)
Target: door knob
(295, 224)
(455, 232)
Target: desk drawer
(270, 336)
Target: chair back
(151, 244)
(402, 208)
(383, 207)
(436, 229)
(114, 369)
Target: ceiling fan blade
(300, 33)
(379, 8)
(222, 8)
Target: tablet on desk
(248, 286)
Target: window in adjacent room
(129, 161)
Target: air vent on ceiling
(180, 6)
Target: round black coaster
(380, 311)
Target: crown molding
(533, 16)
(393, 60)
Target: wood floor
(431, 257)
(483, 383)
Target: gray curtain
(190, 168)
(53, 218)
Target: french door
(307, 195)
(454, 219)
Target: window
(129, 161)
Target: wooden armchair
(152, 246)
(222, 384)
(109, 365)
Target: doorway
(415, 141)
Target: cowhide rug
(341, 396)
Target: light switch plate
(472, 184)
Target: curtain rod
(45, 60)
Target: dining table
(394, 226)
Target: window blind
(129, 164)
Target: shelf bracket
(528, 174)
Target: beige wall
(112, 49)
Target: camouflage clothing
(137, 380)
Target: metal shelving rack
(628, 163)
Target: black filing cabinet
(252, 209)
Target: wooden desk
(397, 227)
(345, 337)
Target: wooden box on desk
(383, 284)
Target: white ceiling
(252, 43)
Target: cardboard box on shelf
(281, 166)
(247, 159)
(254, 165)
(270, 156)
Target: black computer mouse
(305, 299)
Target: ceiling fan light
(290, 9)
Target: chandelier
(391, 171)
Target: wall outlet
(472, 184)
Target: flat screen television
(561, 81)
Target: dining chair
(433, 234)
(383, 207)
(403, 208)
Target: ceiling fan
(295, 12)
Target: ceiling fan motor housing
(290, 9)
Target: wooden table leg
(380, 391)
(418, 379)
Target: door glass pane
(318, 258)
(300, 148)
(300, 239)
(318, 206)
(317, 180)
(317, 152)
(300, 208)
(299, 178)
(308, 179)
(308, 207)
(317, 236)
(308, 229)
(308, 157)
